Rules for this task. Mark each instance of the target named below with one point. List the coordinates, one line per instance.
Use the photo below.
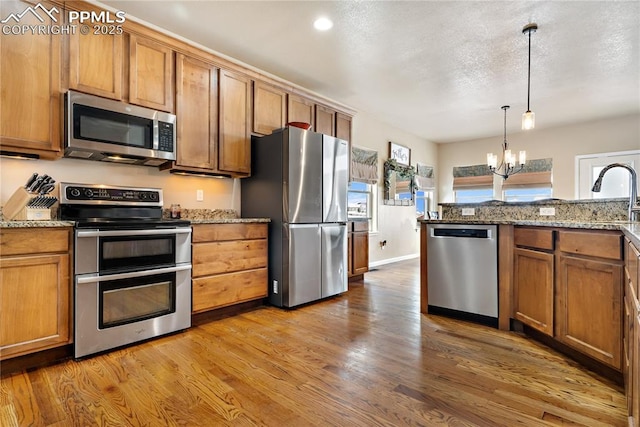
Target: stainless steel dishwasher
(462, 271)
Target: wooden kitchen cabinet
(631, 332)
(151, 74)
(30, 85)
(234, 146)
(229, 264)
(301, 110)
(358, 252)
(533, 268)
(325, 120)
(589, 285)
(197, 108)
(343, 127)
(96, 64)
(269, 108)
(35, 290)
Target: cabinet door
(325, 120)
(269, 108)
(589, 308)
(150, 74)
(30, 85)
(95, 64)
(635, 373)
(234, 147)
(533, 289)
(34, 302)
(300, 110)
(343, 127)
(360, 252)
(349, 253)
(197, 111)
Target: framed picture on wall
(400, 154)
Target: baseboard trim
(392, 260)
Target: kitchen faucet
(634, 206)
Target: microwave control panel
(165, 136)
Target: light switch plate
(199, 195)
(468, 211)
(547, 211)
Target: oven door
(119, 309)
(111, 251)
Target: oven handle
(151, 232)
(97, 278)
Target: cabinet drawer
(218, 232)
(227, 289)
(599, 244)
(360, 226)
(32, 241)
(533, 238)
(225, 257)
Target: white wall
(561, 144)
(396, 224)
(218, 193)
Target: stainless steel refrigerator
(299, 180)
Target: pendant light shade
(529, 117)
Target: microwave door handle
(97, 278)
(119, 233)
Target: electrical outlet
(199, 195)
(547, 211)
(468, 211)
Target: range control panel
(88, 194)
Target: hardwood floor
(366, 358)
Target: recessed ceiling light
(322, 24)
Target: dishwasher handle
(474, 233)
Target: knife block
(16, 208)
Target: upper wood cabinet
(30, 88)
(301, 110)
(197, 111)
(234, 146)
(269, 108)
(151, 77)
(343, 127)
(96, 64)
(325, 120)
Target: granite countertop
(229, 220)
(36, 224)
(630, 229)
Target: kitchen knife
(35, 184)
(46, 189)
(31, 180)
(40, 182)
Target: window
(424, 203)
(474, 195)
(359, 200)
(526, 194)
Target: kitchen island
(570, 282)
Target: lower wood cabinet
(229, 264)
(568, 284)
(533, 295)
(358, 247)
(35, 290)
(631, 332)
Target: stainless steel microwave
(106, 130)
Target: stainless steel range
(132, 267)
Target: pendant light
(507, 166)
(529, 117)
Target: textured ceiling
(438, 69)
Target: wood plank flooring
(366, 358)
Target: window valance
(364, 165)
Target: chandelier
(529, 117)
(507, 166)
